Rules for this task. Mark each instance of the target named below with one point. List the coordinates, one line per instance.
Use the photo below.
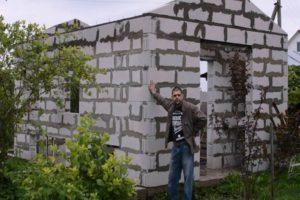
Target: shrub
(87, 171)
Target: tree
(294, 85)
(29, 67)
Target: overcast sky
(51, 12)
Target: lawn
(285, 188)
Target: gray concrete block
(188, 46)
(221, 18)
(103, 78)
(65, 132)
(103, 47)
(70, 118)
(260, 24)
(188, 77)
(264, 108)
(120, 61)
(255, 38)
(52, 130)
(120, 109)
(141, 23)
(153, 179)
(279, 55)
(263, 135)
(274, 95)
(215, 2)
(134, 175)
(165, 92)
(214, 33)
(164, 159)
(260, 81)
(279, 81)
(157, 43)
(106, 62)
(106, 30)
(51, 105)
(92, 63)
(240, 20)
(137, 43)
(44, 117)
(103, 108)
(191, 29)
(130, 143)
(159, 76)
(152, 110)
(139, 93)
(123, 45)
(193, 93)
(222, 81)
(114, 140)
(143, 59)
(236, 36)
(106, 93)
(136, 76)
(90, 94)
(214, 162)
(214, 95)
(169, 25)
(146, 162)
(199, 14)
(120, 77)
(274, 68)
(235, 5)
(258, 67)
(261, 53)
(281, 107)
(21, 138)
(85, 107)
(274, 40)
(171, 60)
(153, 145)
(144, 127)
(136, 108)
(88, 50)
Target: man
(184, 122)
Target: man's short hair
(177, 88)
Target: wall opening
(205, 63)
(74, 99)
(203, 75)
(220, 146)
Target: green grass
(232, 188)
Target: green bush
(294, 84)
(87, 171)
(10, 178)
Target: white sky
(52, 12)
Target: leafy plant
(86, 171)
(294, 84)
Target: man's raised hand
(152, 87)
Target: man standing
(184, 122)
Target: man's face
(177, 96)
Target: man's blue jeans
(181, 159)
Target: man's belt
(180, 142)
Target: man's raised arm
(160, 100)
